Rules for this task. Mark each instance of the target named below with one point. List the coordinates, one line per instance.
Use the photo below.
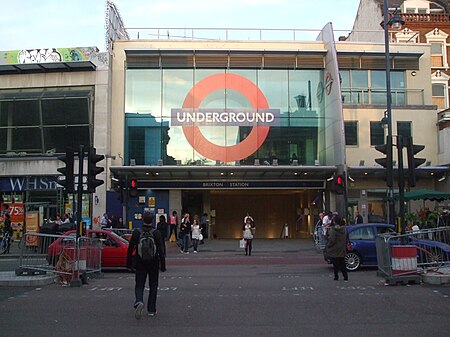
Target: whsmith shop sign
(19, 184)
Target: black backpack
(146, 248)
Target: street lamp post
(396, 23)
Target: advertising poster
(32, 221)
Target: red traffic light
(340, 180)
(133, 183)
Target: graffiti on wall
(44, 55)
(38, 56)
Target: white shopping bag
(242, 243)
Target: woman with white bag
(196, 233)
(248, 231)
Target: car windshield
(118, 237)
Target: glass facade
(44, 121)
(232, 116)
(369, 87)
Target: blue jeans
(185, 242)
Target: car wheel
(352, 261)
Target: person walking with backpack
(147, 257)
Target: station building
(226, 127)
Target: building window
(44, 121)
(404, 129)
(376, 133)
(438, 93)
(351, 133)
(369, 87)
(437, 40)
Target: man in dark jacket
(336, 248)
(144, 268)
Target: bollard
(286, 231)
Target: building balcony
(436, 19)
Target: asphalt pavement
(213, 252)
(221, 292)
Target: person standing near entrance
(248, 231)
(336, 247)
(204, 227)
(144, 267)
(358, 218)
(173, 223)
(196, 232)
(185, 232)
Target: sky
(29, 24)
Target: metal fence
(69, 258)
(409, 255)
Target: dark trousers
(248, 246)
(195, 244)
(173, 229)
(339, 266)
(142, 271)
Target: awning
(424, 194)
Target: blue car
(362, 239)
(363, 247)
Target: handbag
(200, 237)
(241, 243)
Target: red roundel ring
(217, 152)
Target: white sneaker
(195, 252)
(186, 252)
(138, 310)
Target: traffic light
(67, 171)
(93, 169)
(133, 188)
(339, 184)
(413, 162)
(386, 162)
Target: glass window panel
(143, 91)
(404, 129)
(397, 79)
(65, 111)
(438, 90)
(62, 137)
(20, 113)
(376, 133)
(378, 97)
(351, 133)
(275, 86)
(3, 140)
(436, 48)
(26, 140)
(378, 79)
(345, 78)
(136, 144)
(359, 79)
(398, 97)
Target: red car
(114, 248)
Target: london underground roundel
(246, 147)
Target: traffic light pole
(80, 192)
(401, 186)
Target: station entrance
(271, 209)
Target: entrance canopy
(178, 176)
